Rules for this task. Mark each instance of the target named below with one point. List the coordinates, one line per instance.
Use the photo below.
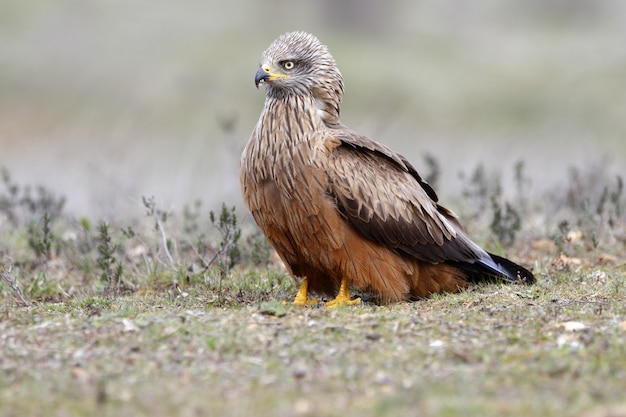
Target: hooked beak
(265, 74)
(262, 75)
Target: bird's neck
(291, 119)
(328, 103)
(287, 131)
(326, 100)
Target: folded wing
(381, 194)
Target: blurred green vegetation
(107, 101)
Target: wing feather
(382, 195)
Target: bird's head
(296, 63)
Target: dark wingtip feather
(513, 271)
(495, 266)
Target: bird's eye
(288, 65)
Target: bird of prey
(343, 211)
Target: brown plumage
(340, 209)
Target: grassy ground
(554, 349)
(108, 319)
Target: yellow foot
(302, 298)
(305, 302)
(343, 298)
(341, 301)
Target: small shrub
(10, 279)
(40, 239)
(228, 252)
(160, 217)
(17, 201)
(478, 190)
(522, 185)
(506, 221)
(110, 268)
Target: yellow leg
(302, 298)
(343, 298)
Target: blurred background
(108, 101)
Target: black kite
(340, 209)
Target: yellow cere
(275, 75)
